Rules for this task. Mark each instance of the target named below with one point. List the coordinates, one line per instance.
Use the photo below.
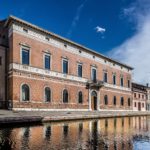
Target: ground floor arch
(94, 102)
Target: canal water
(128, 133)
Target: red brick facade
(37, 78)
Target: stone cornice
(64, 40)
(54, 74)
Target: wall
(2, 74)
(37, 78)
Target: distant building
(148, 98)
(139, 93)
(40, 70)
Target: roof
(139, 87)
(13, 18)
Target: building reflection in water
(113, 134)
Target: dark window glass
(134, 104)
(65, 130)
(65, 96)
(139, 95)
(47, 94)
(105, 100)
(143, 104)
(122, 101)
(115, 100)
(143, 96)
(128, 83)
(105, 76)
(135, 95)
(65, 66)
(79, 70)
(48, 132)
(114, 79)
(25, 92)
(0, 60)
(47, 62)
(121, 80)
(94, 74)
(80, 97)
(25, 57)
(129, 102)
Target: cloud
(135, 51)
(76, 18)
(100, 29)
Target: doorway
(94, 100)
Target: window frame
(121, 81)
(50, 95)
(129, 83)
(24, 48)
(79, 97)
(105, 77)
(1, 61)
(64, 59)
(21, 92)
(105, 99)
(93, 68)
(79, 64)
(129, 102)
(115, 100)
(122, 101)
(114, 83)
(63, 97)
(44, 56)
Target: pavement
(15, 117)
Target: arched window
(105, 100)
(47, 94)
(115, 100)
(122, 101)
(80, 97)
(65, 96)
(25, 92)
(129, 102)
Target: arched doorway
(94, 100)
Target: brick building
(139, 97)
(48, 72)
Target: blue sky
(117, 28)
(76, 19)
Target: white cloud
(76, 18)
(135, 51)
(100, 29)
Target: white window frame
(28, 49)
(79, 64)
(65, 59)
(92, 73)
(47, 54)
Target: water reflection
(128, 133)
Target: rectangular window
(135, 95)
(0, 61)
(105, 77)
(47, 61)
(135, 104)
(114, 79)
(79, 70)
(65, 66)
(121, 81)
(25, 56)
(143, 104)
(128, 83)
(94, 74)
(139, 95)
